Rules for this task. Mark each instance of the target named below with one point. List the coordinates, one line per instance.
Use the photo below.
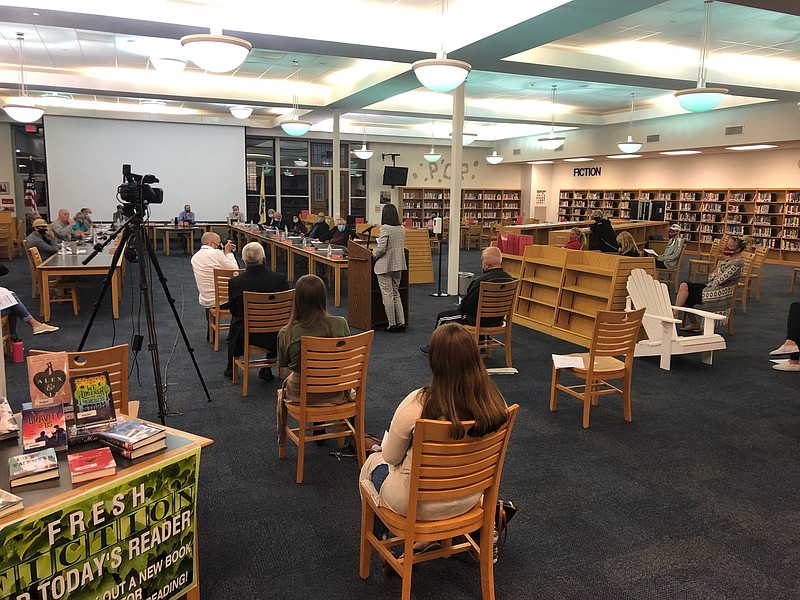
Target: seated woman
(309, 317)
(790, 346)
(460, 390)
(16, 309)
(627, 245)
(602, 236)
(298, 227)
(715, 295)
(577, 240)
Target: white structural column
(335, 203)
(277, 168)
(454, 234)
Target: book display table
(131, 535)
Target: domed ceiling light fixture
(552, 141)
(295, 127)
(215, 52)
(241, 112)
(629, 146)
(23, 109)
(702, 98)
(467, 138)
(168, 65)
(363, 153)
(441, 74)
(494, 158)
(432, 156)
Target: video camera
(135, 191)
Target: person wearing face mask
(271, 218)
(41, 239)
(320, 228)
(715, 295)
(672, 253)
(236, 215)
(298, 227)
(602, 236)
(339, 235)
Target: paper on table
(561, 361)
(651, 251)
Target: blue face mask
(340, 227)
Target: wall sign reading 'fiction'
(586, 171)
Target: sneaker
(784, 349)
(424, 349)
(44, 328)
(228, 373)
(266, 374)
(787, 366)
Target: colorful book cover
(91, 464)
(92, 403)
(43, 427)
(47, 377)
(8, 423)
(132, 434)
(36, 466)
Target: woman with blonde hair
(460, 390)
(577, 240)
(627, 245)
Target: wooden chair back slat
(266, 312)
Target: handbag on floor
(504, 512)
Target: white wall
(7, 160)
(201, 165)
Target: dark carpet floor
(697, 498)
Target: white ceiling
(354, 57)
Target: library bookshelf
(770, 216)
(484, 206)
(562, 290)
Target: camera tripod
(134, 240)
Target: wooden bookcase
(485, 206)
(770, 216)
(562, 290)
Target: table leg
(273, 256)
(115, 294)
(337, 285)
(191, 242)
(44, 291)
(166, 243)
(290, 258)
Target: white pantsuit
(390, 262)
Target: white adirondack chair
(662, 336)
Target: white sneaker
(44, 328)
(784, 349)
(787, 366)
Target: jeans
(17, 311)
(378, 476)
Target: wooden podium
(364, 303)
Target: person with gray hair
(212, 255)
(256, 278)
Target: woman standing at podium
(390, 262)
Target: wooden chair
(754, 282)
(659, 325)
(706, 264)
(495, 301)
(472, 236)
(327, 365)
(8, 231)
(743, 287)
(65, 291)
(19, 237)
(442, 469)
(114, 360)
(35, 280)
(672, 274)
(615, 335)
(263, 313)
(5, 327)
(219, 318)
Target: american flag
(262, 200)
(30, 192)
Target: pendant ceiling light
(702, 98)
(301, 162)
(168, 65)
(241, 112)
(629, 146)
(215, 52)
(441, 74)
(432, 156)
(23, 109)
(362, 152)
(467, 138)
(494, 158)
(295, 127)
(552, 141)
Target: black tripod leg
(106, 283)
(154, 260)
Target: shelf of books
(771, 217)
(562, 290)
(483, 206)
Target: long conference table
(243, 235)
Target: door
(320, 191)
(344, 194)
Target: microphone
(368, 229)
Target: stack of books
(92, 406)
(133, 438)
(33, 467)
(91, 464)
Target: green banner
(133, 538)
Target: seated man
(278, 222)
(62, 227)
(211, 256)
(41, 239)
(320, 228)
(186, 216)
(257, 278)
(339, 234)
(119, 216)
(467, 311)
(235, 216)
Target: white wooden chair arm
(663, 319)
(700, 313)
